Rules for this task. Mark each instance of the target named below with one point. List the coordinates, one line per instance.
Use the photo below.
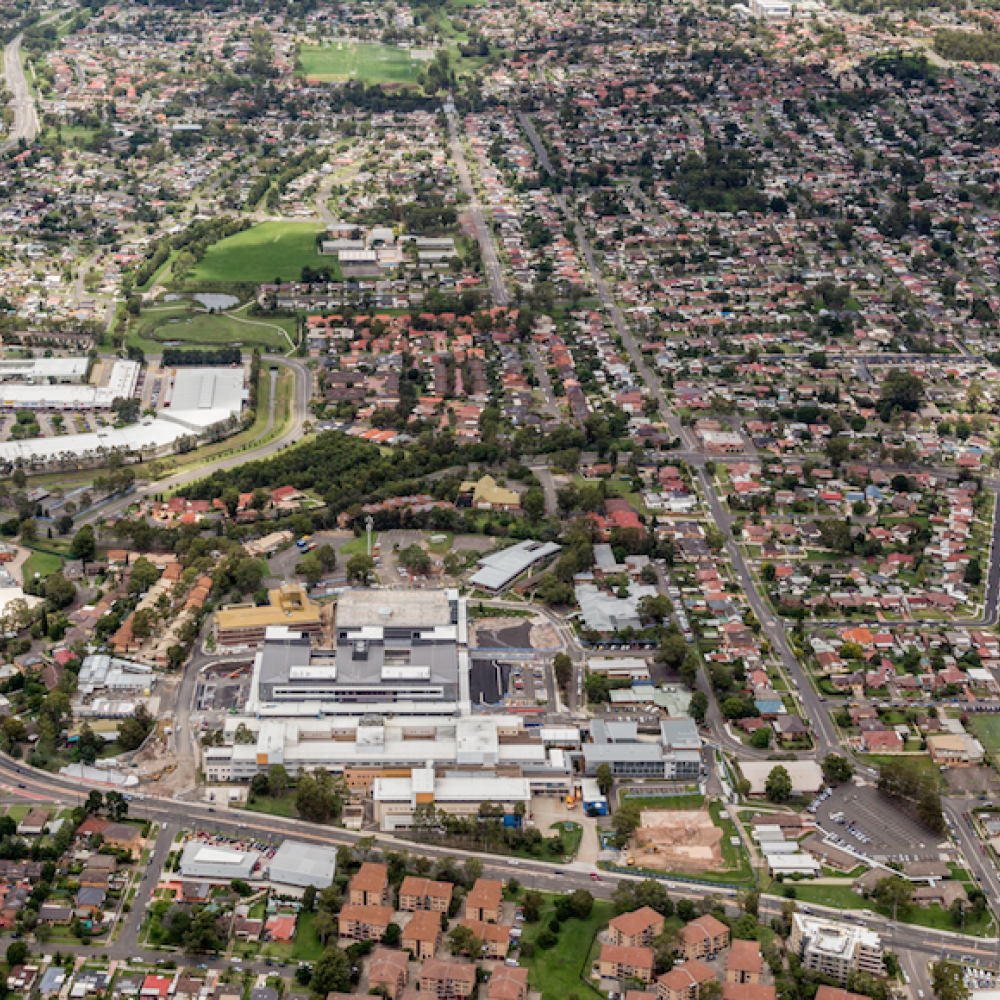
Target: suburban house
(124, 837)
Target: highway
(25, 116)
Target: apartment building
(836, 949)
(636, 929)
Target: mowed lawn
(272, 250)
(359, 61)
(987, 730)
(555, 972)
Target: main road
(494, 272)
(916, 945)
(25, 117)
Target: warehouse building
(296, 865)
(63, 371)
(101, 672)
(211, 863)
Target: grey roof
(498, 569)
(600, 752)
(604, 612)
(90, 896)
(680, 734)
(200, 860)
(295, 863)
(425, 608)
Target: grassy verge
(283, 806)
(843, 897)
(692, 801)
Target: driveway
(548, 809)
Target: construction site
(679, 840)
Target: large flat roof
(149, 434)
(425, 608)
(204, 396)
(299, 864)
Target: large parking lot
(863, 819)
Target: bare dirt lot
(677, 840)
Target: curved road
(303, 394)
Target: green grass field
(987, 730)
(165, 324)
(307, 947)
(272, 250)
(556, 972)
(284, 806)
(369, 63)
(42, 563)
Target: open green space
(275, 805)
(571, 833)
(359, 61)
(841, 896)
(307, 947)
(268, 252)
(563, 969)
(46, 557)
(987, 730)
(186, 324)
(42, 563)
(921, 761)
